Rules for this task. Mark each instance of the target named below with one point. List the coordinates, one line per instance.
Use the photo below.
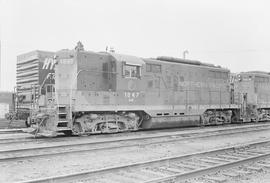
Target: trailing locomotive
(252, 91)
(107, 92)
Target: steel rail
(98, 172)
(162, 134)
(187, 130)
(203, 171)
(10, 131)
(104, 147)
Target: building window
(131, 71)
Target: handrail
(71, 93)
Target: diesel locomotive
(106, 92)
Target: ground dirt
(16, 171)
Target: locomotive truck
(106, 92)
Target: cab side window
(131, 71)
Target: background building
(6, 103)
(33, 69)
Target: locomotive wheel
(77, 128)
(235, 119)
(28, 122)
(103, 128)
(68, 132)
(212, 120)
(222, 120)
(255, 120)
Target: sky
(234, 34)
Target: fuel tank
(172, 121)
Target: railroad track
(19, 138)
(185, 131)
(7, 131)
(173, 169)
(110, 144)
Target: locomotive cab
(94, 93)
(107, 92)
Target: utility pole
(0, 63)
(184, 54)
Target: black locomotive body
(108, 92)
